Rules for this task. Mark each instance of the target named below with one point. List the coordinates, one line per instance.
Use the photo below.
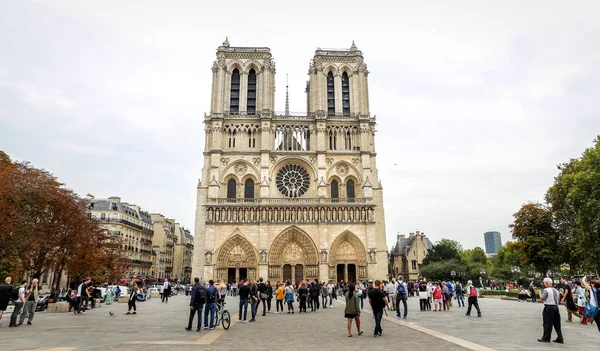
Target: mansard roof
(403, 244)
(110, 205)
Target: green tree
(533, 229)
(440, 270)
(575, 201)
(509, 255)
(444, 250)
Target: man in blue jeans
(378, 302)
(196, 303)
(211, 304)
(243, 293)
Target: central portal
(293, 256)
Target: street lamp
(481, 274)
(453, 273)
(516, 270)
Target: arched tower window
(345, 94)
(335, 194)
(249, 189)
(251, 107)
(234, 105)
(330, 94)
(350, 190)
(231, 191)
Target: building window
(231, 193)
(345, 94)
(330, 94)
(350, 190)
(332, 139)
(234, 104)
(334, 190)
(249, 189)
(414, 265)
(232, 138)
(103, 216)
(292, 138)
(251, 138)
(251, 106)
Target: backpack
(200, 297)
(401, 289)
(459, 288)
(211, 293)
(472, 291)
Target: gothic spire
(353, 47)
(226, 42)
(287, 97)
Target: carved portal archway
(347, 258)
(293, 255)
(236, 259)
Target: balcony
(284, 201)
(280, 115)
(114, 233)
(128, 223)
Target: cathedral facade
(287, 196)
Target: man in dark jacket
(244, 293)
(314, 295)
(196, 303)
(6, 291)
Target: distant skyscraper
(493, 241)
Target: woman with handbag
(581, 302)
(591, 308)
(352, 309)
(289, 296)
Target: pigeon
(110, 313)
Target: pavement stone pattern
(505, 325)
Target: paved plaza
(505, 325)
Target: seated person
(524, 294)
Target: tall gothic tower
(289, 196)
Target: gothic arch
(352, 172)
(346, 68)
(331, 68)
(235, 64)
(236, 251)
(293, 245)
(293, 160)
(230, 171)
(348, 248)
(250, 64)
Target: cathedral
(289, 196)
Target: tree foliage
(44, 226)
(534, 229)
(444, 250)
(575, 202)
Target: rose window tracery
(292, 181)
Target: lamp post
(516, 270)
(453, 273)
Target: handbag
(591, 311)
(264, 296)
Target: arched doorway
(236, 260)
(347, 259)
(293, 256)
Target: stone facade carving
(263, 257)
(256, 161)
(208, 256)
(323, 256)
(224, 161)
(372, 256)
(342, 169)
(240, 168)
(329, 161)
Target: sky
(476, 101)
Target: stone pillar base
(58, 307)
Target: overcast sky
(476, 104)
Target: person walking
(352, 310)
(390, 289)
(262, 294)
(6, 291)
(212, 295)
(244, 294)
(551, 314)
(166, 291)
(269, 297)
(254, 299)
(324, 294)
(532, 291)
(19, 302)
(378, 302)
(289, 297)
(197, 300)
(82, 295)
(460, 294)
(401, 291)
(132, 298)
(472, 300)
(568, 300)
(32, 295)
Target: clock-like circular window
(292, 181)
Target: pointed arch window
(345, 94)
(249, 189)
(234, 104)
(335, 194)
(330, 94)
(251, 98)
(350, 193)
(231, 191)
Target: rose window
(292, 181)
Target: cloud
(80, 149)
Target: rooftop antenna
(287, 96)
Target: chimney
(89, 197)
(412, 235)
(115, 199)
(418, 232)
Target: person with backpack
(401, 291)
(19, 299)
(314, 295)
(472, 299)
(197, 300)
(460, 294)
(212, 294)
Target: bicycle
(222, 315)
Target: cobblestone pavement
(505, 325)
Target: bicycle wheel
(226, 319)
(217, 314)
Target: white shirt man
(390, 289)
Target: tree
(509, 255)
(575, 201)
(533, 229)
(444, 250)
(440, 270)
(10, 248)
